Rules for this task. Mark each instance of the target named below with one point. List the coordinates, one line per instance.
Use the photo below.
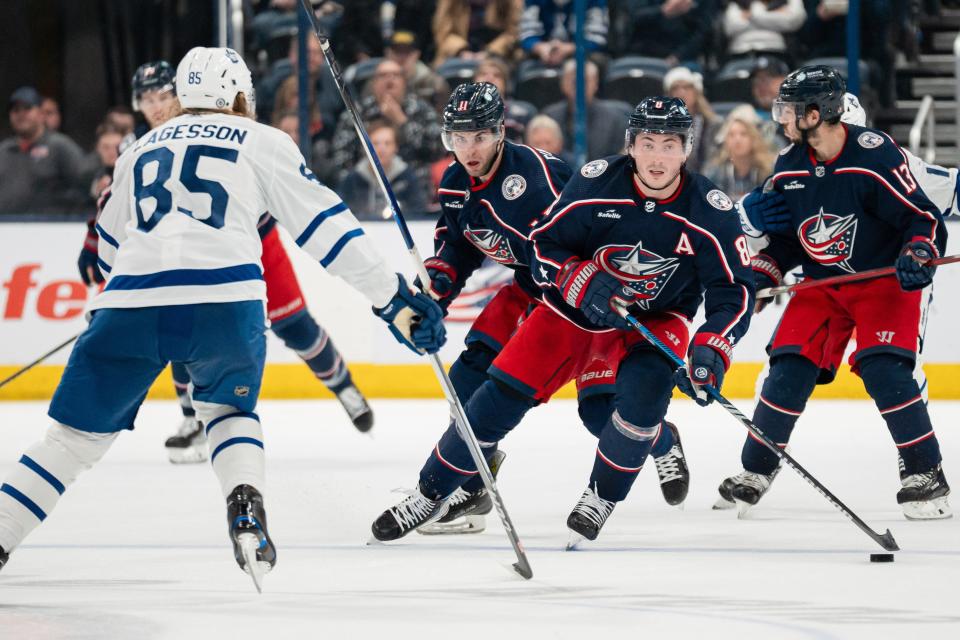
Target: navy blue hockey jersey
(670, 251)
(494, 219)
(853, 212)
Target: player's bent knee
(644, 387)
(68, 451)
(594, 411)
(469, 371)
(495, 409)
(887, 376)
(790, 380)
(298, 332)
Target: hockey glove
(765, 211)
(706, 365)
(913, 272)
(586, 286)
(766, 274)
(443, 280)
(414, 319)
(87, 262)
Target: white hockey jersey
(179, 225)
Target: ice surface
(138, 548)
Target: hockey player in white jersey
(181, 254)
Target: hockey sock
(492, 411)
(662, 443)
(622, 449)
(889, 380)
(470, 369)
(181, 383)
(595, 411)
(784, 396)
(301, 333)
(46, 469)
(235, 441)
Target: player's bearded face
(658, 158)
(475, 150)
(786, 114)
(157, 106)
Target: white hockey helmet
(211, 78)
(853, 112)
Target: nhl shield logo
(513, 186)
(828, 239)
(593, 169)
(820, 171)
(719, 200)
(649, 206)
(643, 271)
(492, 244)
(870, 140)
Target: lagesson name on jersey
(853, 212)
(672, 252)
(494, 219)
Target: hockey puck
(881, 557)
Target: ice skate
(355, 404)
(924, 495)
(673, 471)
(467, 510)
(414, 511)
(588, 517)
(744, 490)
(189, 445)
(247, 522)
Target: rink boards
(42, 302)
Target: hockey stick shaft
(885, 540)
(522, 566)
(22, 371)
(770, 292)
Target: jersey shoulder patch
(513, 186)
(870, 140)
(719, 200)
(594, 168)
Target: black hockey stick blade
(523, 568)
(887, 542)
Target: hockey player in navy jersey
(153, 91)
(843, 199)
(636, 230)
(180, 249)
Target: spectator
(548, 27)
(681, 82)
(476, 29)
(517, 113)
(120, 117)
(416, 121)
(51, 113)
(39, 169)
(754, 26)
(606, 119)
(106, 151)
(325, 102)
(289, 123)
(674, 30)
(361, 191)
(402, 48)
(544, 133)
(765, 79)
(744, 158)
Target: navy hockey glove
(766, 211)
(707, 363)
(766, 274)
(912, 270)
(443, 279)
(414, 319)
(87, 262)
(586, 286)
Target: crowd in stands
(724, 58)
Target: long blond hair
(762, 155)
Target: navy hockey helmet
(661, 114)
(814, 86)
(473, 106)
(152, 76)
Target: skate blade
(722, 504)
(937, 509)
(743, 510)
(249, 544)
(574, 540)
(468, 524)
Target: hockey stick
(522, 566)
(885, 540)
(770, 292)
(22, 371)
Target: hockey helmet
(152, 76)
(661, 114)
(473, 106)
(211, 78)
(815, 86)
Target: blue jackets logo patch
(643, 271)
(828, 238)
(492, 244)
